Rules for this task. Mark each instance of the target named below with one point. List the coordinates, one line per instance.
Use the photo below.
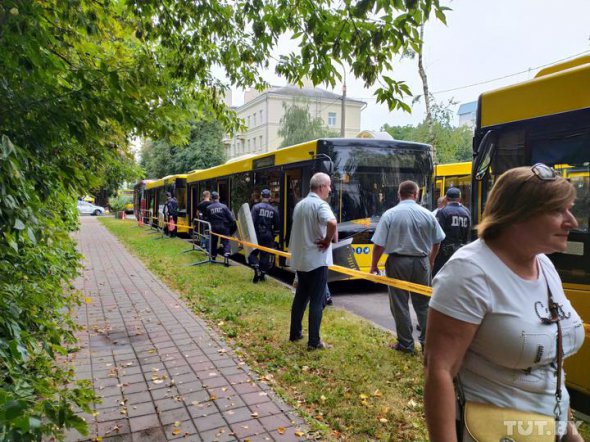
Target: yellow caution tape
(397, 283)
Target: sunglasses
(544, 172)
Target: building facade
(262, 113)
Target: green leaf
(19, 225)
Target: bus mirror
(324, 164)
(483, 157)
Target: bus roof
(155, 183)
(299, 152)
(453, 169)
(293, 154)
(172, 178)
(556, 89)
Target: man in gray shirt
(411, 236)
(314, 229)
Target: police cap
(453, 193)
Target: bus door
(293, 194)
(223, 189)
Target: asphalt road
(368, 300)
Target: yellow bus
(546, 119)
(453, 175)
(155, 194)
(365, 176)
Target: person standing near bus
(266, 221)
(314, 229)
(455, 221)
(411, 235)
(201, 213)
(171, 214)
(221, 220)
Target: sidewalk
(162, 372)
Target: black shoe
(257, 275)
(296, 338)
(262, 277)
(398, 347)
(226, 259)
(320, 346)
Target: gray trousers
(411, 269)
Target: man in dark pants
(202, 214)
(221, 220)
(314, 229)
(171, 211)
(455, 220)
(411, 236)
(266, 221)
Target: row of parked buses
(365, 175)
(546, 119)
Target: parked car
(86, 208)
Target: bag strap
(554, 319)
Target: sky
(482, 41)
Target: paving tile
(222, 434)
(135, 325)
(171, 416)
(145, 408)
(238, 415)
(247, 428)
(154, 434)
(209, 422)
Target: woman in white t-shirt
(488, 321)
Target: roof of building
(309, 92)
(467, 108)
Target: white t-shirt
(310, 219)
(511, 360)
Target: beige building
(262, 113)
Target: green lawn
(359, 390)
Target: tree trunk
(427, 98)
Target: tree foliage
(204, 149)
(78, 78)
(453, 144)
(297, 125)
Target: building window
(261, 120)
(254, 143)
(248, 146)
(331, 119)
(261, 140)
(254, 119)
(248, 124)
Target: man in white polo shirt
(314, 229)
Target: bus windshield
(365, 181)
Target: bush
(37, 260)
(119, 203)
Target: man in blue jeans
(314, 229)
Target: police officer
(221, 220)
(455, 220)
(266, 222)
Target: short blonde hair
(519, 195)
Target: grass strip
(360, 390)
